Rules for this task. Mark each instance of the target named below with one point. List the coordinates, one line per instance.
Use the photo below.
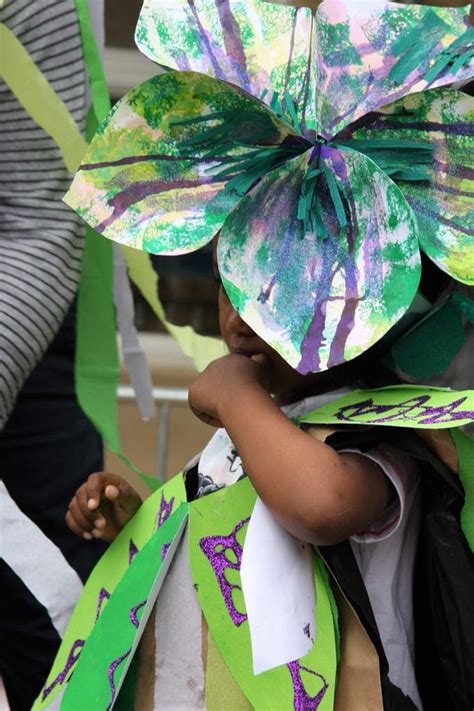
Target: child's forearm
(316, 494)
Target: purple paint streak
(139, 191)
(133, 613)
(111, 676)
(302, 701)
(131, 160)
(220, 563)
(132, 551)
(165, 510)
(233, 41)
(416, 409)
(103, 595)
(205, 41)
(164, 550)
(74, 654)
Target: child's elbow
(325, 523)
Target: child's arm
(317, 494)
(102, 506)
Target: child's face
(240, 338)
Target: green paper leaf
(217, 525)
(465, 451)
(398, 406)
(321, 299)
(444, 202)
(142, 185)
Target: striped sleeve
(41, 240)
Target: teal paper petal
(375, 52)
(146, 182)
(444, 202)
(256, 45)
(321, 298)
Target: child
(319, 258)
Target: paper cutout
(169, 166)
(281, 614)
(443, 200)
(112, 643)
(321, 299)
(254, 45)
(102, 582)
(375, 52)
(428, 348)
(465, 451)
(218, 525)
(398, 406)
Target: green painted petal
(320, 300)
(135, 185)
(256, 45)
(373, 52)
(443, 204)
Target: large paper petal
(319, 301)
(444, 203)
(257, 45)
(374, 52)
(137, 187)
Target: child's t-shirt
(385, 553)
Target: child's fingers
(77, 522)
(94, 488)
(75, 528)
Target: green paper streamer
(112, 643)
(39, 99)
(465, 451)
(106, 576)
(415, 406)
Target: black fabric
(47, 450)
(443, 582)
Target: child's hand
(223, 380)
(102, 506)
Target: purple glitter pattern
(164, 512)
(111, 676)
(132, 551)
(133, 613)
(103, 595)
(73, 656)
(164, 550)
(215, 548)
(415, 409)
(302, 701)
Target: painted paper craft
(103, 580)
(398, 406)
(383, 173)
(217, 531)
(109, 650)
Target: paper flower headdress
(327, 151)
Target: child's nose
(237, 325)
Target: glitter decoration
(133, 613)
(132, 551)
(302, 701)
(164, 550)
(103, 595)
(111, 677)
(73, 656)
(214, 548)
(165, 510)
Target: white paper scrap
(278, 587)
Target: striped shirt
(41, 239)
